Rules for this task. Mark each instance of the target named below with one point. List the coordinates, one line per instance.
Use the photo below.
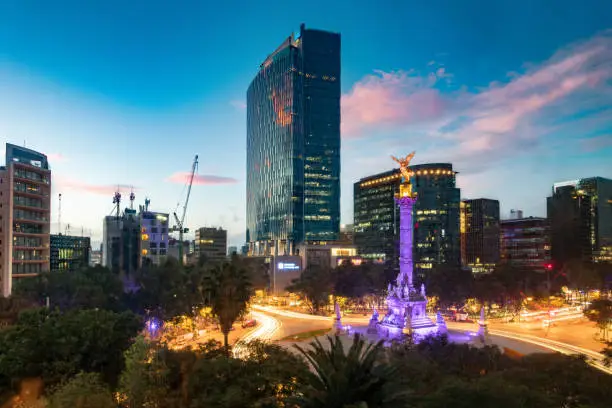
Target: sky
(123, 94)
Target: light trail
(593, 358)
(266, 329)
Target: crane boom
(180, 222)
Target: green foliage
(350, 378)
(314, 285)
(227, 289)
(600, 312)
(88, 288)
(56, 346)
(85, 390)
(451, 285)
(168, 291)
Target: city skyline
(515, 104)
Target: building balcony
(25, 275)
(31, 194)
(30, 261)
(30, 248)
(30, 208)
(20, 165)
(24, 179)
(29, 220)
(30, 233)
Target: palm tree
(357, 378)
(227, 290)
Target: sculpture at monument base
(406, 306)
(338, 318)
(483, 331)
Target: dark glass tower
(480, 234)
(436, 217)
(293, 145)
(580, 215)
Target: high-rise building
(69, 253)
(436, 217)
(154, 236)
(480, 232)
(525, 243)
(375, 216)
(122, 243)
(293, 145)
(580, 216)
(25, 204)
(211, 243)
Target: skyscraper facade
(376, 218)
(525, 243)
(293, 145)
(25, 205)
(480, 234)
(436, 217)
(580, 216)
(69, 253)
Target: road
(531, 340)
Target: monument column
(405, 203)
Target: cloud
(201, 179)
(595, 143)
(390, 99)
(56, 157)
(503, 119)
(84, 187)
(238, 104)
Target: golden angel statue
(404, 163)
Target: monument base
(406, 315)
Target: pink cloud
(595, 143)
(56, 157)
(240, 105)
(84, 187)
(201, 179)
(390, 99)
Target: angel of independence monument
(406, 305)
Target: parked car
(249, 323)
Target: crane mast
(180, 221)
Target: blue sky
(516, 94)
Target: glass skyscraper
(293, 145)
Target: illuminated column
(405, 203)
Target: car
(249, 323)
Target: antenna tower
(147, 202)
(59, 215)
(117, 202)
(132, 198)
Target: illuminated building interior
(69, 253)
(480, 232)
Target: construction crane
(180, 227)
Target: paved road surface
(505, 335)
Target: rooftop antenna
(132, 198)
(67, 229)
(59, 215)
(147, 202)
(117, 202)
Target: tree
(452, 285)
(227, 289)
(167, 291)
(57, 346)
(600, 312)
(354, 378)
(88, 288)
(314, 285)
(85, 390)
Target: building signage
(288, 266)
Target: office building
(69, 253)
(293, 145)
(436, 217)
(122, 243)
(580, 216)
(231, 251)
(376, 217)
(211, 243)
(525, 243)
(154, 237)
(25, 205)
(480, 232)
(95, 258)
